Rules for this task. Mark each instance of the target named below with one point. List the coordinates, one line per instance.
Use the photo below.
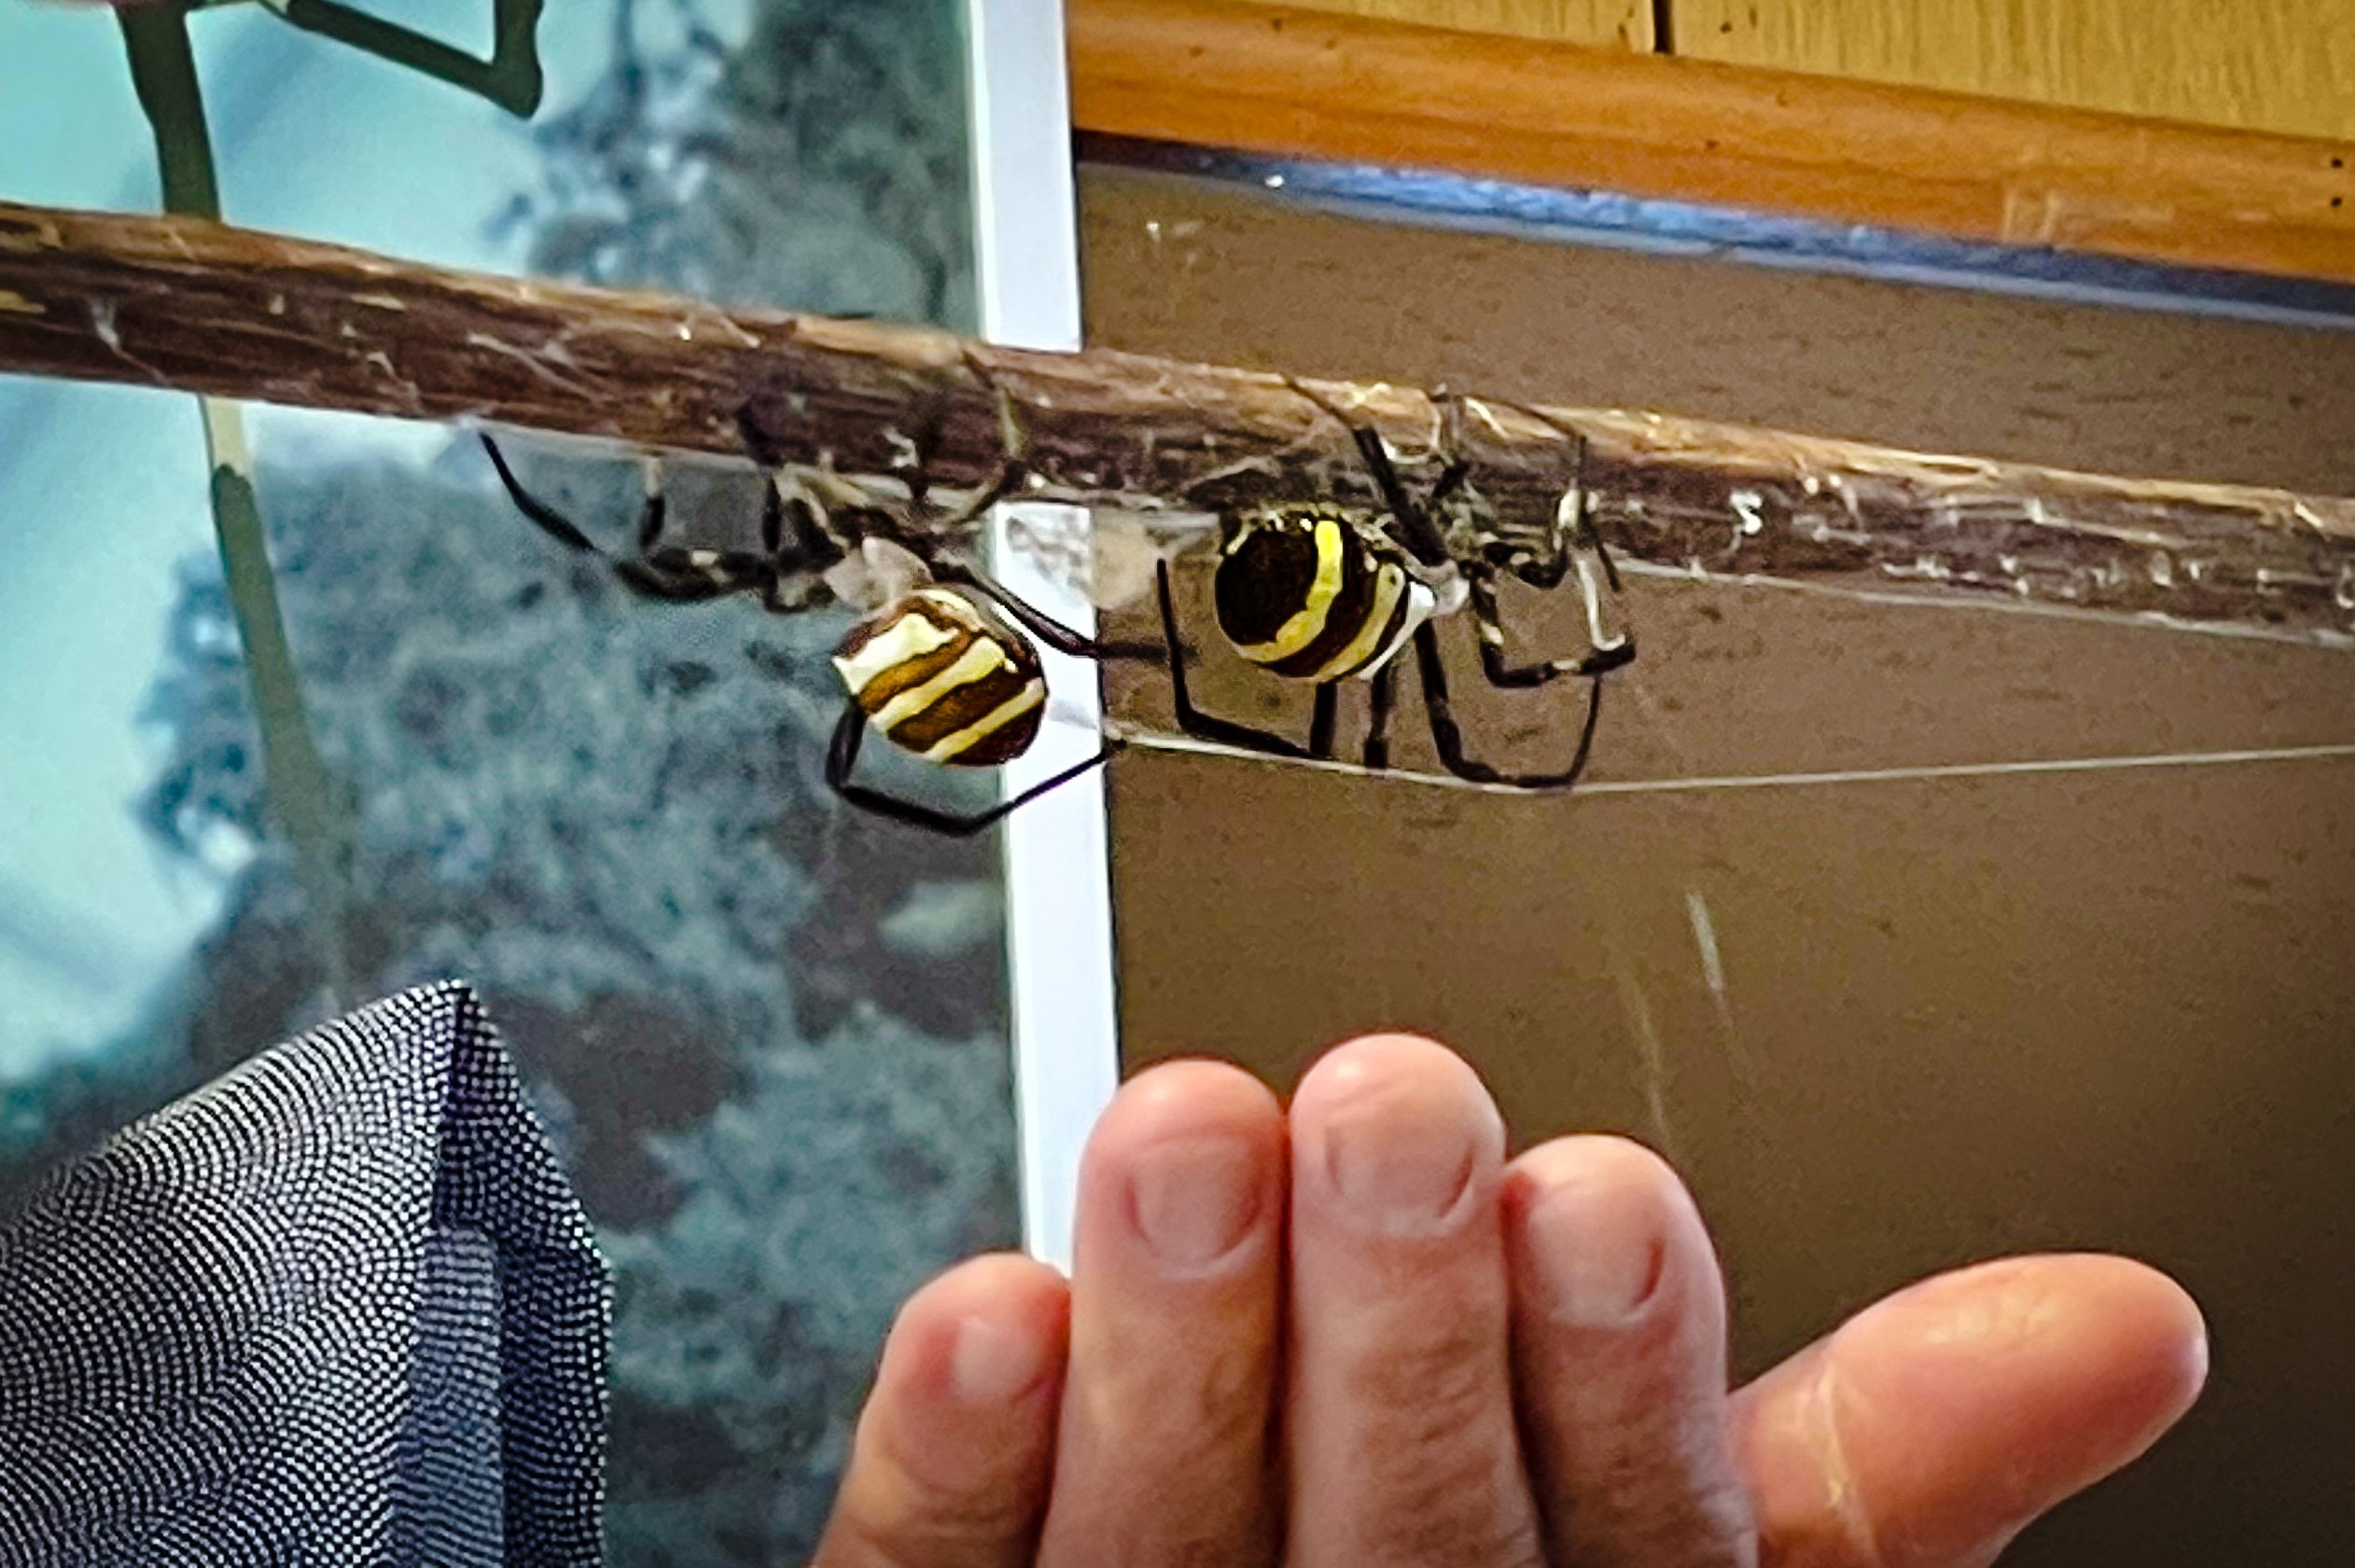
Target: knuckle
(1441, 1459)
(921, 1500)
(1210, 1414)
(1432, 1386)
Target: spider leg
(1192, 720)
(1384, 695)
(1010, 478)
(1449, 439)
(552, 522)
(1451, 478)
(1449, 740)
(1601, 657)
(685, 575)
(1412, 526)
(1602, 553)
(675, 575)
(1045, 628)
(1321, 720)
(771, 514)
(841, 757)
(657, 509)
(1415, 530)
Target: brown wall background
(2110, 1011)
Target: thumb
(1936, 1425)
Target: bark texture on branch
(200, 307)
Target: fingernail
(995, 1363)
(1597, 1245)
(1399, 1160)
(1195, 1199)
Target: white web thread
(1156, 741)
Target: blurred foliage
(820, 166)
(767, 1032)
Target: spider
(943, 664)
(1321, 593)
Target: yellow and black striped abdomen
(942, 677)
(1302, 592)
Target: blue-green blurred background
(768, 1035)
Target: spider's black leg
(677, 576)
(841, 757)
(687, 575)
(794, 532)
(562, 528)
(1449, 740)
(1600, 660)
(1192, 720)
(1011, 477)
(1451, 437)
(1053, 632)
(1384, 696)
(1013, 471)
(656, 511)
(773, 515)
(1416, 531)
(552, 522)
(1321, 719)
(1602, 553)
(1562, 538)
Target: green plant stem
(310, 803)
(510, 78)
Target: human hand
(1445, 1358)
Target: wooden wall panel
(2285, 65)
(1625, 23)
(1294, 83)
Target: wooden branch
(1312, 84)
(201, 307)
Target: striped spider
(1323, 593)
(943, 664)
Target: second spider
(1323, 593)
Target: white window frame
(1061, 983)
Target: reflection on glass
(767, 1034)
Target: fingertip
(2109, 1341)
(954, 1445)
(1599, 1169)
(1937, 1423)
(1620, 1336)
(1404, 1077)
(2152, 1310)
(1185, 1097)
(1599, 1228)
(1175, 1323)
(983, 1333)
(1389, 1055)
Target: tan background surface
(2102, 1011)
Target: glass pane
(768, 1033)
(1886, 1026)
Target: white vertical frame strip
(1058, 881)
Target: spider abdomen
(942, 677)
(1304, 592)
